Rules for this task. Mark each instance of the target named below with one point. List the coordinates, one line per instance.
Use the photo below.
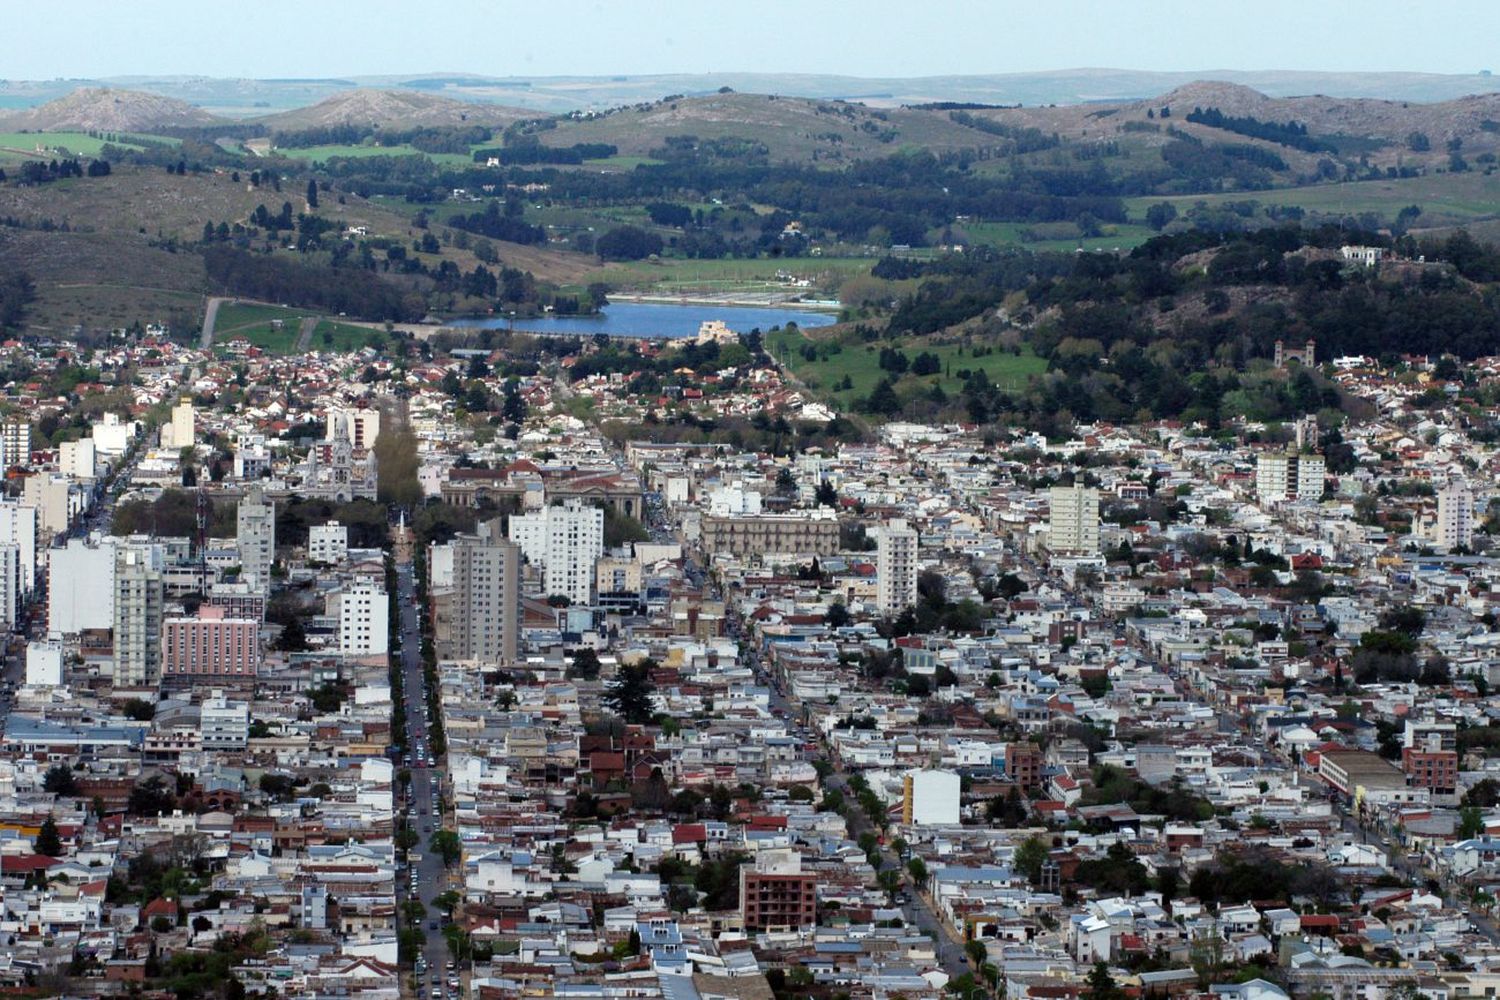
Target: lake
(654, 319)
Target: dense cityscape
(321, 691)
(750, 502)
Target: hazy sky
(308, 38)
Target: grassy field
(622, 163)
(16, 146)
(1445, 199)
(271, 328)
(861, 364)
(318, 154)
(331, 335)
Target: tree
(627, 243)
(139, 710)
(883, 399)
(585, 665)
(59, 780)
(1470, 822)
(837, 616)
(917, 868)
(1030, 857)
(826, 495)
(312, 194)
(1160, 215)
(1101, 985)
(629, 694)
(48, 842)
(446, 844)
(396, 464)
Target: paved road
(432, 875)
(304, 333)
(210, 317)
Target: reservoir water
(655, 319)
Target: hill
(790, 128)
(103, 110)
(392, 108)
(1382, 132)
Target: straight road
(432, 874)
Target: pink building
(211, 645)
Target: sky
(900, 38)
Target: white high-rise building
(566, 541)
(328, 543)
(181, 431)
(81, 586)
(18, 528)
(112, 436)
(52, 496)
(1455, 516)
(255, 537)
(1279, 478)
(896, 567)
(364, 619)
(139, 598)
(77, 459)
(10, 585)
(486, 596)
(1073, 521)
(15, 444)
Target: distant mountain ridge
(242, 98)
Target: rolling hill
(101, 109)
(392, 108)
(1378, 129)
(791, 128)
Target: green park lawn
(861, 364)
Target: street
(431, 874)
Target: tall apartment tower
(486, 595)
(566, 542)
(18, 528)
(896, 567)
(255, 536)
(11, 572)
(181, 431)
(81, 585)
(1073, 524)
(15, 443)
(1290, 476)
(364, 619)
(139, 596)
(1455, 515)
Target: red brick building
(1434, 769)
(1023, 764)
(211, 645)
(775, 893)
